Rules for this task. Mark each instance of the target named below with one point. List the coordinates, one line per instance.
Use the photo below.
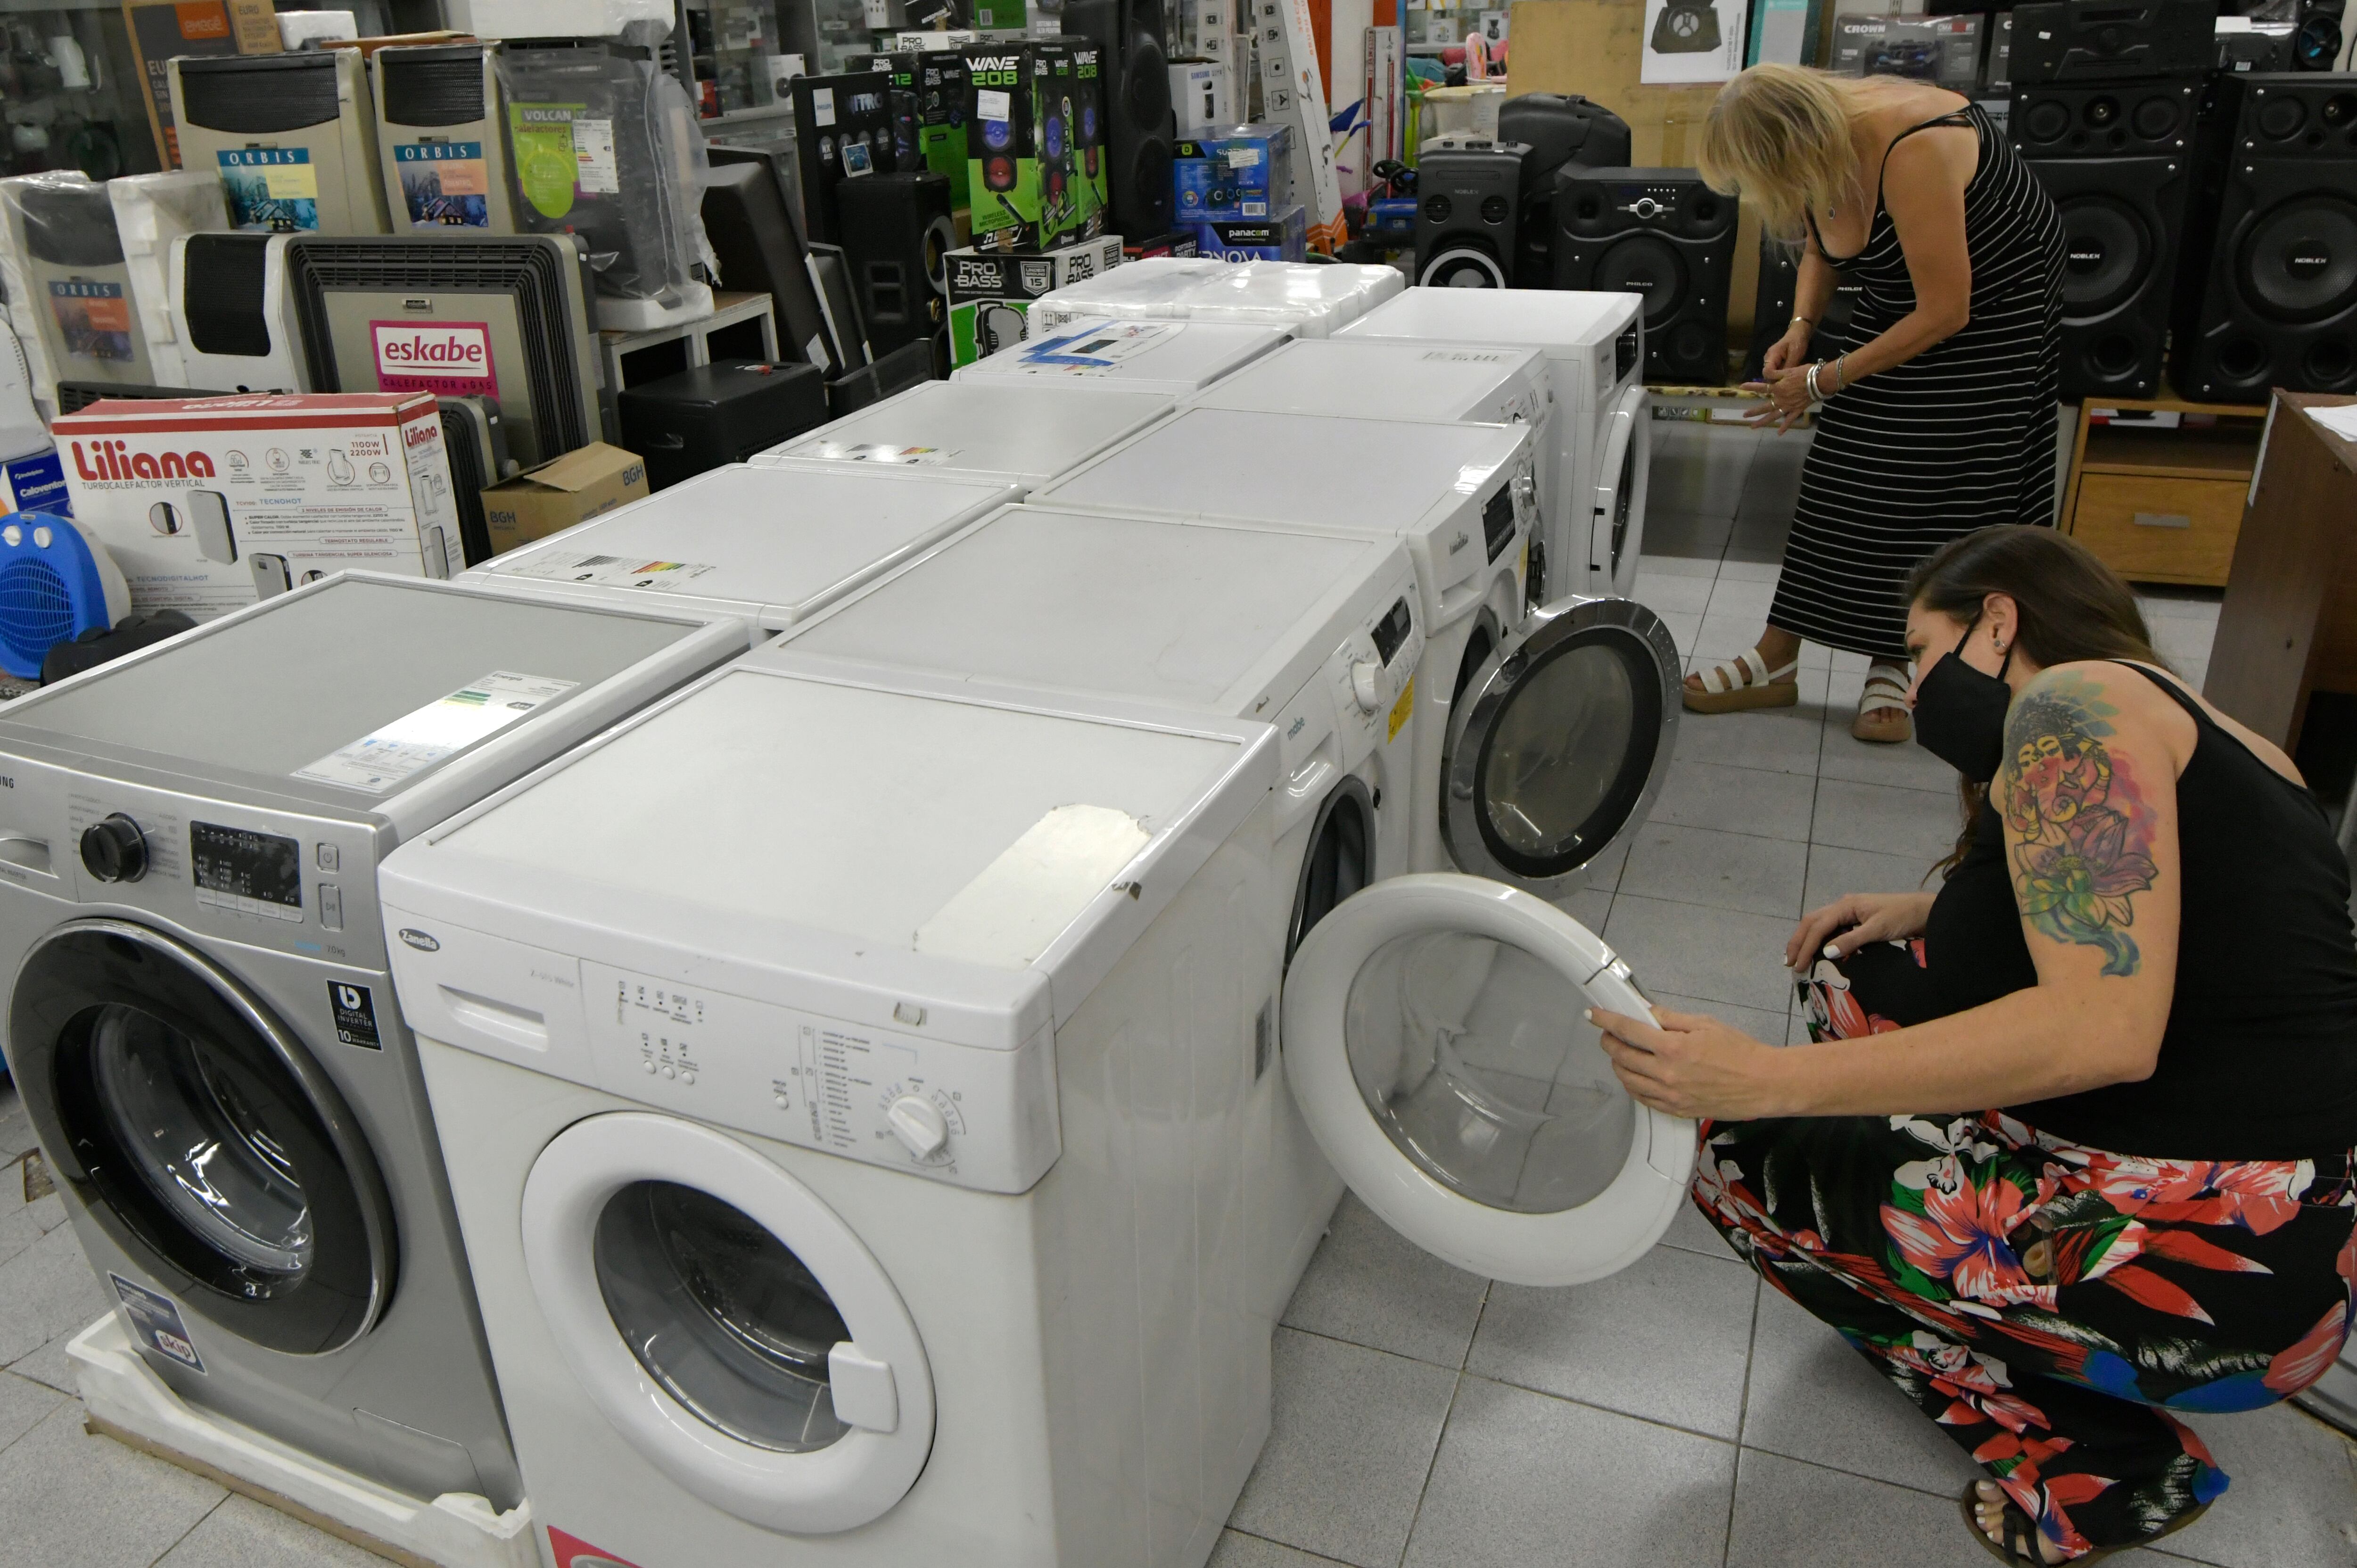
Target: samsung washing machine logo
(419, 939)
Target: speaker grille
(70, 225)
(223, 295)
(251, 95)
(431, 86)
(532, 271)
(2300, 262)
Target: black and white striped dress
(1958, 437)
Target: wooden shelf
(2213, 452)
(2161, 505)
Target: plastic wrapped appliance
(293, 136)
(606, 146)
(459, 315)
(1310, 299)
(68, 291)
(439, 133)
(227, 300)
(55, 584)
(151, 211)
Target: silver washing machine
(202, 1018)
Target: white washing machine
(1602, 441)
(1176, 357)
(1307, 299)
(1020, 435)
(772, 544)
(1345, 377)
(202, 1016)
(1460, 495)
(876, 1193)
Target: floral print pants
(2052, 1306)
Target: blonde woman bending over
(1935, 414)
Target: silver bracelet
(1815, 395)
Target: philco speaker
(1779, 281)
(2070, 40)
(897, 235)
(1136, 76)
(2266, 294)
(1663, 233)
(2117, 160)
(1467, 201)
(1559, 128)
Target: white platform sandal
(1882, 712)
(1746, 684)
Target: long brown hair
(2069, 605)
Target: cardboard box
(1235, 171)
(554, 495)
(1004, 181)
(1284, 238)
(209, 503)
(1086, 132)
(991, 291)
(928, 112)
(1177, 243)
(1944, 49)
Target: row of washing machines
(819, 1017)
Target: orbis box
(1284, 238)
(991, 291)
(208, 504)
(1239, 171)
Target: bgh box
(208, 504)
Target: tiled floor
(1673, 1416)
(1677, 1413)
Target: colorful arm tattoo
(2079, 834)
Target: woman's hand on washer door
(1690, 1064)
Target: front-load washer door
(1557, 746)
(202, 1135)
(1617, 532)
(727, 1323)
(1433, 1042)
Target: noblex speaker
(1468, 198)
(1663, 233)
(1136, 76)
(2102, 40)
(2117, 160)
(896, 235)
(1558, 128)
(1771, 312)
(2267, 291)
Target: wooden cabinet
(2156, 486)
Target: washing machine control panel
(889, 1097)
(1372, 674)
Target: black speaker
(2316, 46)
(897, 235)
(1663, 233)
(843, 133)
(2121, 222)
(1468, 195)
(1771, 312)
(1137, 75)
(2102, 40)
(1558, 128)
(2126, 118)
(2266, 289)
(713, 414)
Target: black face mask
(1960, 713)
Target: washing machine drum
(202, 1137)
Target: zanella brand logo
(451, 357)
(419, 939)
(111, 460)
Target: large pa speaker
(2266, 293)
(1137, 77)
(1558, 128)
(1466, 207)
(2123, 118)
(1771, 312)
(896, 236)
(2112, 41)
(2121, 221)
(1663, 233)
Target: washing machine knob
(114, 850)
(1367, 683)
(919, 1126)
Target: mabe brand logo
(111, 460)
(443, 348)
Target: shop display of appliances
(1176, 359)
(1023, 436)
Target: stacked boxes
(1283, 238)
(991, 292)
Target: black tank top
(2259, 1059)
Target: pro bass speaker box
(2117, 160)
(2267, 293)
(1780, 282)
(896, 235)
(1467, 200)
(1136, 76)
(1663, 233)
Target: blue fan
(55, 584)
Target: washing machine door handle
(865, 1394)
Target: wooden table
(2289, 624)
(2161, 504)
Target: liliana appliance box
(208, 504)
